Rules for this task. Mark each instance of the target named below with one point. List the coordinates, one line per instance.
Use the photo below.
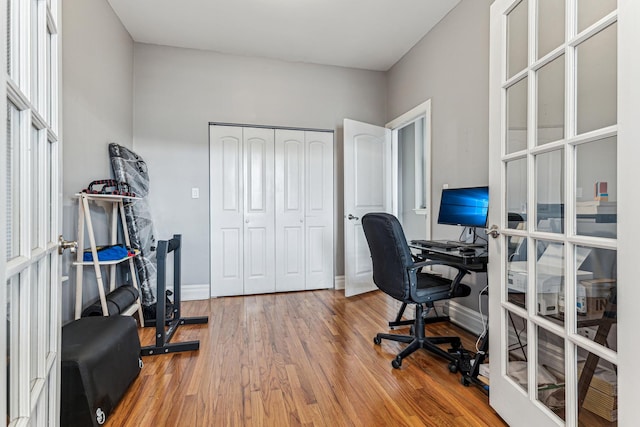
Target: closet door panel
(319, 210)
(227, 227)
(290, 208)
(259, 220)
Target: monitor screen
(467, 207)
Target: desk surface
(476, 260)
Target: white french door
(30, 194)
(563, 129)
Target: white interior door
(367, 188)
(319, 212)
(290, 209)
(227, 210)
(259, 211)
(31, 221)
(559, 146)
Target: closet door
(290, 209)
(319, 210)
(227, 210)
(259, 220)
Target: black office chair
(395, 273)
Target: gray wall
(178, 92)
(97, 108)
(450, 66)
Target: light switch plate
(195, 193)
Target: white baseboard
(195, 292)
(466, 318)
(338, 282)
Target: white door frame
(420, 111)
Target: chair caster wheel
(453, 367)
(464, 381)
(377, 340)
(396, 363)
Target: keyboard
(440, 244)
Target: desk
(475, 261)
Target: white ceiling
(368, 34)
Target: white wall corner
(195, 292)
(338, 282)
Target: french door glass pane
(596, 295)
(596, 72)
(550, 372)
(50, 323)
(597, 390)
(517, 270)
(549, 279)
(517, 117)
(49, 83)
(597, 188)
(13, 346)
(550, 126)
(13, 181)
(517, 194)
(35, 187)
(517, 349)
(591, 11)
(550, 191)
(551, 15)
(34, 305)
(35, 57)
(517, 28)
(50, 226)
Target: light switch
(445, 186)
(195, 193)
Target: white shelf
(116, 203)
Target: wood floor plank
(298, 359)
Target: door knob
(493, 231)
(66, 244)
(353, 217)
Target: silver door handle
(494, 231)
(353, 217)
(66, 244)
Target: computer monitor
(467, 207)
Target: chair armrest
(426, 263)
(455, 282)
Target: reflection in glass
(597, 390)
(35, 187)
(517, 193)
(591, 11)
(517, 270)
(597, 81)
(550, 18)
(517, 117)
(596, 295)
(34, 303)
(517, 349)
(549, 279)
(517, 29)
(7, 289)
(596, 174)
(550, 192)
(550, 126)
(550, 372)
(13, 181)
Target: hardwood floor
(298, 359)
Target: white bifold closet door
(271, 210)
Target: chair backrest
(390, 254)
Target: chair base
(419, 340)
